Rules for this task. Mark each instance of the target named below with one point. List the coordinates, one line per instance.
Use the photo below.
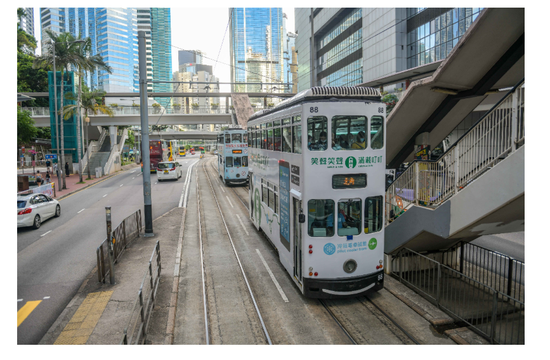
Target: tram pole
(145, 136)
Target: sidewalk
(72, 180)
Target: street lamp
(87, 119)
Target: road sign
(51, 156)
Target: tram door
(297, 234)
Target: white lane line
(185, 195)
(272, 277)
(221, 187)
(81, 211)
(133, 178)
(229, 201)
(104, 195)
(121, 185)
(46, 233)
(18, 300)
(46, 297)
(238, 217)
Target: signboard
(349, 181)
(284, 198)
(422, 153)
(51, 157)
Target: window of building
(318, 214)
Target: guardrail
(122, 236)
(490, 313)
(136, 331)
(429, 183)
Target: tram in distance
(233, 156)
(317, 186)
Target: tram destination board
(349, 181)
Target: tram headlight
(350, 266)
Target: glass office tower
(162, 52)
(256, 48)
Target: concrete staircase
(99, 159)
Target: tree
(25, 127)
(390, 100)
(91, 102)
(67, 53)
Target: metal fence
(489, 312)
(135, 332)
(122, 235)
(429, 183)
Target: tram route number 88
(314, 109)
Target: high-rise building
(161, 36)
(256, 48)
(113, 33)
(190, 57)
(144, 24)
(26, 22)
(355, 45)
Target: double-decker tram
(317, 175)
(233, 156)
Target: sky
(202, 29)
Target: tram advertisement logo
(351, 162)
(372, 243)
(329, 249)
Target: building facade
(161, 48)
(26, 22)
(256, 49)
(356, 45)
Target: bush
(390, 100)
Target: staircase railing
(115, 152)
(429, 183)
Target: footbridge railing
(429, 183)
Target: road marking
(19, 300)
(85, 319)
(221, 187)
(26, 310)
(133, 178)
(238, 217)
(183, 199)
(272, 277)
(121, 185)
(81, 211)
(131, 172)
(46, 297)
(104, 195)
(46, 233)
(229, 201)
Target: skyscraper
(256, 48)
(27, 21)
(161, 36)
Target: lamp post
(87, 119)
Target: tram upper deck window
(297, 139)
(377, 132)
(277, 139)
(264, 139)
(229, 161)
(227, 138)
(287, 139)
(373, 214)
(236, 138)
(270, 138)
(317, 133)
(319, 214)
(349, 217)
(245, 138)
(348, 132)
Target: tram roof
(324, 92)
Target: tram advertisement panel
(284, 198)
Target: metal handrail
(429, 183)
(136, 330)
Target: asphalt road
(53, 261)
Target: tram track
(222, 279)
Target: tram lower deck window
(229, 161)
(349, 217)
(320, 218)
(373, 214)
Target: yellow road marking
(26, 310)
(84, 320)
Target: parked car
(169, 170)
(34, 209)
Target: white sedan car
(169, 170)
(33, 209)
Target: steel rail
(202, 262)
(338, 322)
(237, 256)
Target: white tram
(233, 156)
(317, 184)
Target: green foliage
(156, 105)
(131, 140)
(25, 127)
(159, 127)
(390, 100)
(43, 133)
(195, 105)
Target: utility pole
(148, 214)
(312, 52)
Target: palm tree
(91, 63)
(66, 54)
(90, 102)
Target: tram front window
(349, 217)
(245, 161)
(317, 133)
(348, 132)
(235, 138)
(237, 161)
(321, 218)
(229, 161)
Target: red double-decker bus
(158, 152)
